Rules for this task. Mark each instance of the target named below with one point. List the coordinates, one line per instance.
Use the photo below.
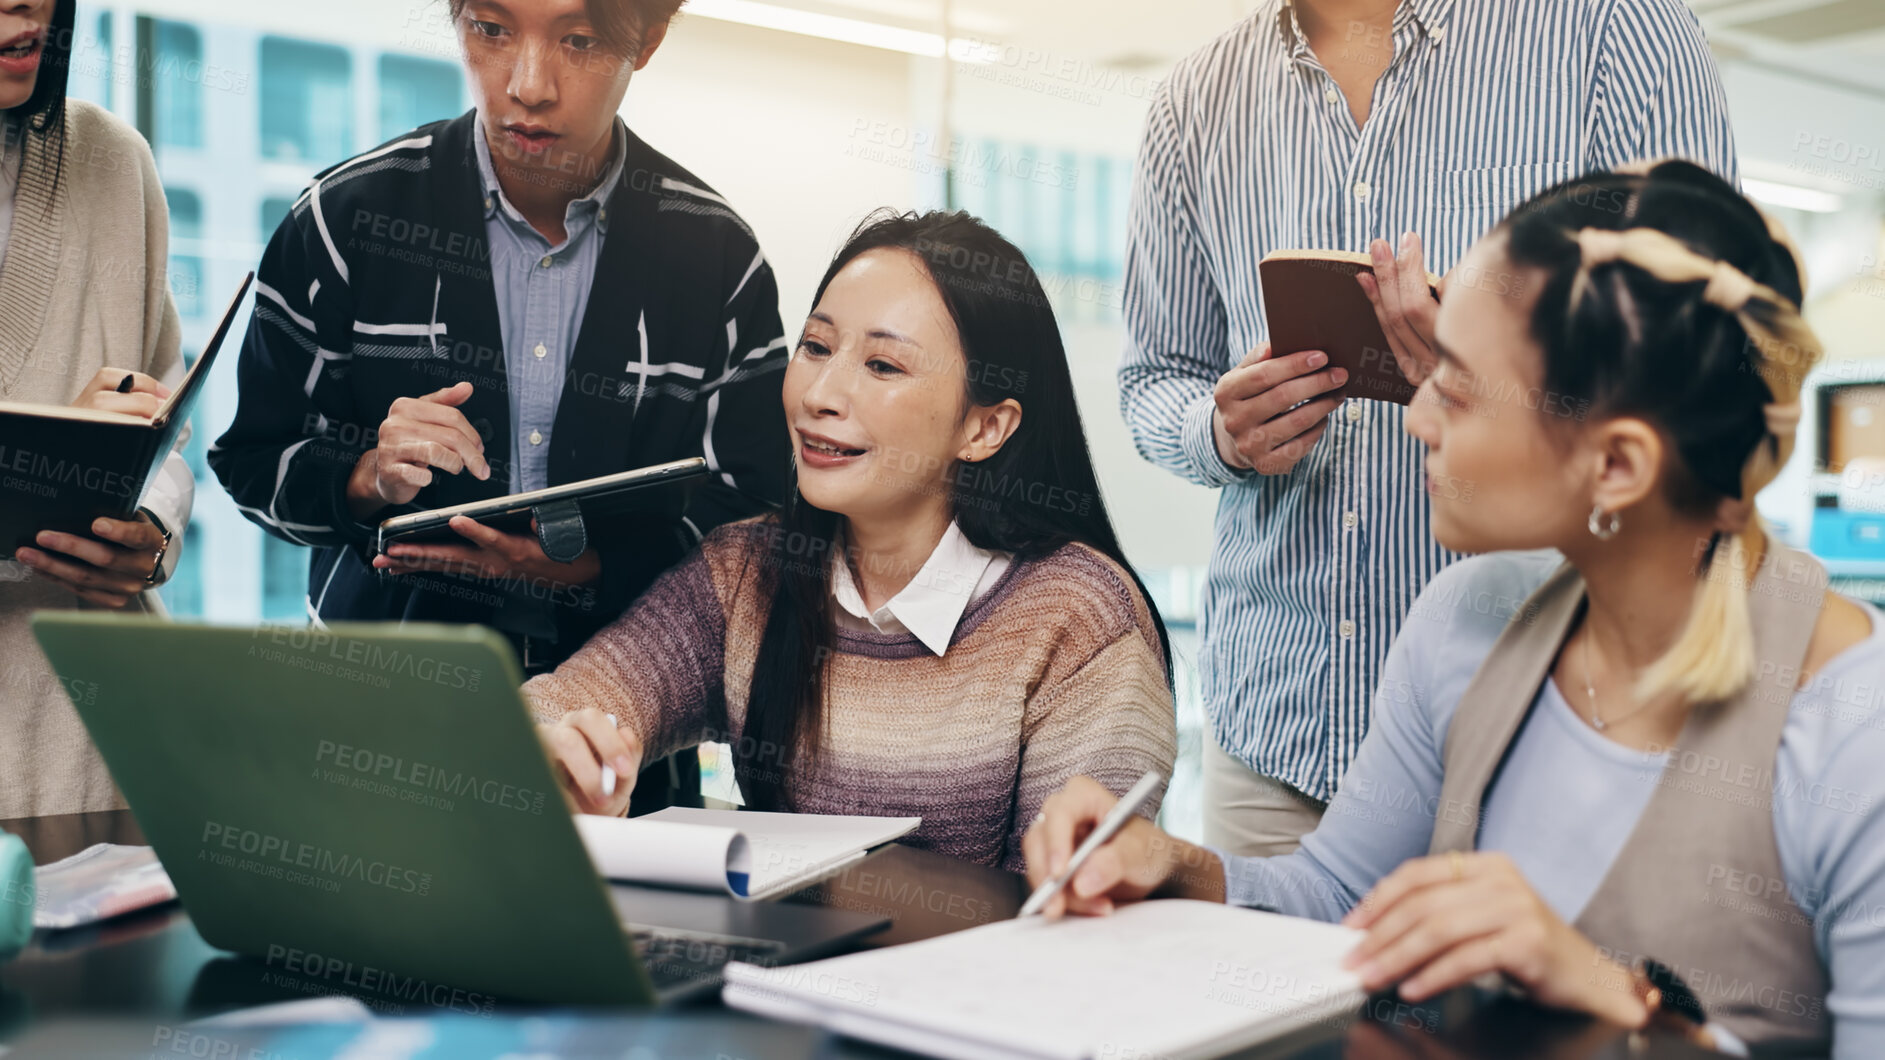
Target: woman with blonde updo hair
(1629, 757)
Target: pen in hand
(608, 771)
(1108, 827)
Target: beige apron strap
(1674, 890)
(1495, 703)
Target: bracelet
(157, 565)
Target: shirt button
(536, 437)
(1349, 519)
(540, 351)
(1331, 95)
(1354, 411)
(545, 262)
(1361, 192)
(1348, 628)
(1439, 34)
(488, 203)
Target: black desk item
(375, 798)
(61, 467)
(567, 517)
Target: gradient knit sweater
(1054, 672)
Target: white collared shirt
(956, 575)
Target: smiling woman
(941, 623)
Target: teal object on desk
(16, 894)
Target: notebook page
(1156, 979)
(643, 850)
(788, 849)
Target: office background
(807, 114)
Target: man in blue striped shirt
(1327, 124)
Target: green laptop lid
(370, 799)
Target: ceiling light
(832, 27)
(1792, 196)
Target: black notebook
(567, 516)
(62, 467)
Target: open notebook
(64, 467)
(1156, 979)
(745, 853)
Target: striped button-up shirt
(1250, 147)
(542, 292)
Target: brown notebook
(1312, 302)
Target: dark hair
(620, 23)
(1670, 298)
(1634, 344)
(40, 121)
(1036, 494)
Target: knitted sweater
(1054, 672)
(83, 288)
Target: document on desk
(744, 853)
(1168, 978)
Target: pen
(608, 771)
(124, 385)
(1108, 827)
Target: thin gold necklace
(1590, 690)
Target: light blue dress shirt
(542, 292)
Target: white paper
(102, 881)
(747, 854)
(1156, 979)
(643, 850)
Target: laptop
(374, 797)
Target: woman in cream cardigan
(83, 303)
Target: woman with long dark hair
(86, 320)
(1638, 775)
(941, 622)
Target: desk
(153, 968)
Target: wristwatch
(157, 565)
(1672, 1005)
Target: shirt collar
(1429, 15)
(597, 199)
(931, 606)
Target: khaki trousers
(1251, 815)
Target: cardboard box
(1855, 423)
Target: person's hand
(1404, 305)
(418, 435)
(492, 554)
(144, 398)
(108, 570)
(1136, 862)
(1438, 922)
(1257, 423)
(579, 745)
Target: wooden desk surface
(153, 966)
